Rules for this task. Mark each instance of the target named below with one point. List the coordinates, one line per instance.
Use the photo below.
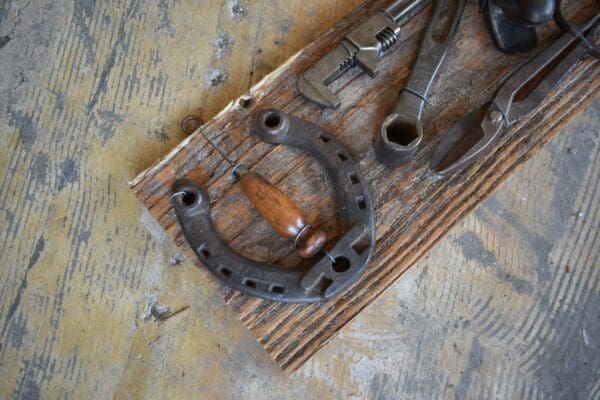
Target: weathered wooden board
(415, 209)
(505, 306)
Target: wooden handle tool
(276, 208)
(280, 212)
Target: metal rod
(404, 9)
(217, 149)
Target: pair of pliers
(475, 134)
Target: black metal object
(401, 132)
(474, 135)
(335, 269)
(528, 12)
(509, 36)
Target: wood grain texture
(284, 216)
(415, 209)
(97, 302)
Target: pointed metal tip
(239, 171)
(319, 94)
(461, 145)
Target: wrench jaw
(317, 93)
(313, 84)
(366, 60)
(398, 140)
(363, 47)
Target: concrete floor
(506, 306)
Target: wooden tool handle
(280, 212)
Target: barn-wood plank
(415, 209)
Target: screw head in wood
(190, 123)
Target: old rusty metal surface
(96, 302)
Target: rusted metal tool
(335, 269)
(402, 130)
(284, 216)
(362, 47)
(476, 134)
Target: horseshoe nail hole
(277, 289)
(250, 283)
(341, 156)
(324, 138)
(354, 178)
(245, 101)
(204, 251)
(401, 133)
(322, 284)
(189, 198)
(340, 264)
(361, 244)
(225, 271)
(272, 120)
(361, 203)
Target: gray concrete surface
(506, 306)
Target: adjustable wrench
(362, 47)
